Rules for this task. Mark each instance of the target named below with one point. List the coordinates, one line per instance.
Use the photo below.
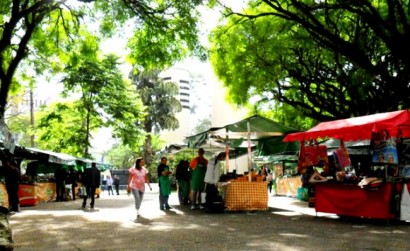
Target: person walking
(117, 184)
(213, 173)
(92, 181)
(164, 184)
(137, 178)
(109, 185)
(198, 166)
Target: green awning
(267, 133)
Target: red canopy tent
(358, 128)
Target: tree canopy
(46, 30)
(328, 59)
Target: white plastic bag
(405, 204)
(203, 197)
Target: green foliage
(167, 35)
(202, 126)
(121, 156)
(327, 59)
(39, 35)
(104, 94)
(159, 99)
(60, 128)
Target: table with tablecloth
(4, 197)
(352, 200)
(244, 195)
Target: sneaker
(161, 208)
(201, 207)
(193, 207)
(168, 208)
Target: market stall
(251, 134)
(373, 191)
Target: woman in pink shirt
(137, 178)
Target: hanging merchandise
(341, 156)
(312, 155)
(384, 148)
(405, 203)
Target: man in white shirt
(213, 173)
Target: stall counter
(352, 200)
(288, 186)
(28, 195)
(243, 195)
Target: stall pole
(249, 152)
(226, 152)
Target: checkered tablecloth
(246, 196)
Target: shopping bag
(203, 197)
(405, 204)
(82, 192)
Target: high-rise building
(203, 100)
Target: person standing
(182, 176)
(117, 184)
(198, 166)
(164, 184)
(266, 174)
(137, 178)
(109, 185)
(60, 175)
(213, 173)
(72, 178)
(12, 178)
(92, 181)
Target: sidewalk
(288, 225)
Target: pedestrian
(164, 184)
(182, 176)
(117, 184)
(213, 173)
(92, 181)
(109, 185)
(60, 175)
(198, 166)
(12, 178)
(137, 178)
(266, 174)
(72, 179)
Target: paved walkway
(287, 225)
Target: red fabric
(358, 128)
(351, 200)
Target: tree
(106, 100)
(121, 156)
(159, 98)
(202, 126)
(328, 59)
(38, 28)
(105, 96)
